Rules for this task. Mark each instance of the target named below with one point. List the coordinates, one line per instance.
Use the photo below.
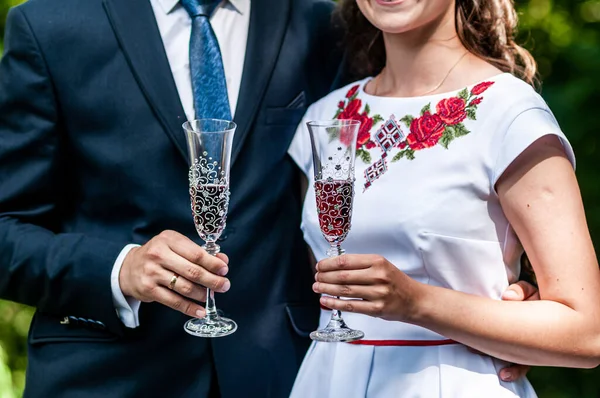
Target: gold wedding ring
(173, 281)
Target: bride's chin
(390, 16)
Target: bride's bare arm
(541, 199)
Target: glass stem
(334, 251)
(211, 308)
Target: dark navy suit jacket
(92, 157)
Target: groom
(93, 163)
(93, 184)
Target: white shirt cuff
(127, 307)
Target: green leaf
(451, 131)
(364, 155)
(353, 97)
(377, 119)
(410, 154)
(446, 139)
(471, 114)
(338, 113)
(399, 156)
(367, 109)
(426, 108)
(460, 130)
(407, 120)
(464, 94)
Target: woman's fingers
(358, 306)
(370, 293)
(348, 262)
(348, 277)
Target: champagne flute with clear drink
(209, 143)
(334, 150)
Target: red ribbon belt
(404, 343)
(400, 343)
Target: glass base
(337, 332)
(216, 327)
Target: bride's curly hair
(486, 28)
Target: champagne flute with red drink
(334, 149)
(209, 143)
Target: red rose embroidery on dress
(425, 131)
(476, 101)
(452, 110)
(480, 88)
(364, 134)
(352, 91)
(352, 108)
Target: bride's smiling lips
(389, 2)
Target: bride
(460, 165)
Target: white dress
(426, 170)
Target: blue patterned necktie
(206, 65)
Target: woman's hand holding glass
(382, 289)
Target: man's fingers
(179, 303)
(187, 249)
(520, 291)
(195, 273)
(346, 262)
(182, 286)
(514, 372)
(223, 257)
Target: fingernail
(315, 287)
(506, 375)
(317, 276)
(317, 267)
(200, 313)
(226, 286)
(511, 294)
(223, 271)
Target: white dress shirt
(230, 22)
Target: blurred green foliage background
(564, 36)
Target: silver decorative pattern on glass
(209, 191)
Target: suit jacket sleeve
(59, 273)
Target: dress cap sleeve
(527, 128)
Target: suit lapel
(268, 23)
(134, 24)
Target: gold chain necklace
(376, 80)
